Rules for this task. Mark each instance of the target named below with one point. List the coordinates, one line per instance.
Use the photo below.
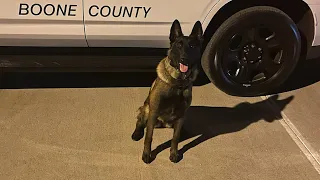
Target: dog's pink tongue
(183, 68)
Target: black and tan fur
(170, 95)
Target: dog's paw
(146, 158)
(137, 135)
(174, 157)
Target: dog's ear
(197, 31)
(175, 31)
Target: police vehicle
(250, 46)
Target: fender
(218, 4)
(312, 2)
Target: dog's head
(185, 51)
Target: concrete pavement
(84, 133)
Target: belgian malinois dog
(170, 95)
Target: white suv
(250, 47)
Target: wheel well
(298, 11)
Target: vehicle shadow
(304, 75)
(209, 122)
(33, 80)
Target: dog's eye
(179, 44)
(192, 46)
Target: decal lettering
(71, 9)
(146, 11)
(126, 11)
(63, 11)
(119, 11)
(34, 9)
(114, 10)
(90, 10)
(23, 9)
(137, 10)
(102, 12)
(47, 9)
(94, 10)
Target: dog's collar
(170, 75)
(175, 73)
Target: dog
(170, 94)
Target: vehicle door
(42, 23)
(139, 23)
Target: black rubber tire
(274, 17)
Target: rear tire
(249, 65)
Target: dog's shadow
(209, 122)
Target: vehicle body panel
(310, 2)
(141, 23)
(113, 23)
(152, 29)
(42, 23)
(316, 12)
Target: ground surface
(78, 126)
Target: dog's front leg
(146, 156)
(174, 156)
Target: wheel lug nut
(253, 46)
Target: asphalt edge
(296, 136)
